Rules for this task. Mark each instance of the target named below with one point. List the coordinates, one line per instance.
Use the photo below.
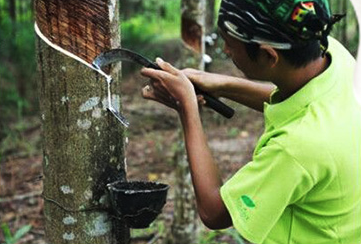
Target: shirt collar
(276, 113)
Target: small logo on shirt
(248, 201)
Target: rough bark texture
(184, 228)
(83, 144)
(185, 224)
(193, 30)
(80, 27)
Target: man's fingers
(167, 66)
(149, 93)
(155, 94)
(201, 100)
(167, 71)
(156, 74)
(151, 73)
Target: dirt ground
(152, 136)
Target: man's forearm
(249, 93)
(204, 172)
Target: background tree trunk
(12, 14)
(184, 229)
(12, 10)
(192, 32)
(210, 17)
(185, 223)
(346, 31)
(83, 144)
(1, 10)
(130, 8)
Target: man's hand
(208, 82)
(169, 86)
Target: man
(303, 184)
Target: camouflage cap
(283, 24)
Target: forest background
(152, 27)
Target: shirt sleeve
(258, 194)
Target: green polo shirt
(303, 185)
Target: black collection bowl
(138, 202)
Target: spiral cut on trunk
(84, 28)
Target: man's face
(236, 50)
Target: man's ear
(270, 55)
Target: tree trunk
(83, 144)
(1, 11)
(12, 10)
(210, 16)
(184, 229)
(193, 30)
(20, 10)
(130, 8)
(185, 224)
(343, 23)
(340, 29)
(32, 7)
(12, 14)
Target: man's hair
(297, 57)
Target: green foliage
(17, 69)
(210, 237)
(156, 21)
(235, 235)
(12, 239)
(13, 140)
(221, 237)
(233, 132)
(217, 5)
(17, 74)
(156, 229)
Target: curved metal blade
(121, 54)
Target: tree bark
(210, 16)
(185, 223)
(83, 144)
(184, 229)
(192, 32)
(130, 8)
